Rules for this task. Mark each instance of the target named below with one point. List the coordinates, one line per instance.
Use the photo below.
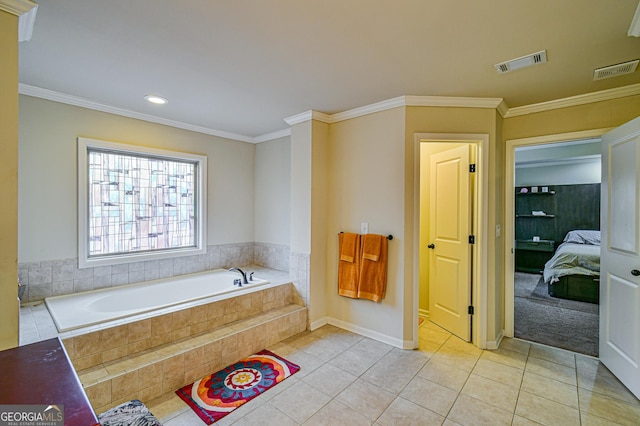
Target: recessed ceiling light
(521, 62)
(156, 99)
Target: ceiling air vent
(615, 70)
(522, 62)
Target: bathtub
(73, 311)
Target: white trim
(318, 323)
(361, 331)
(433, 101)
(201, 238)
(587, 98)
(272, 136)
(17, 7)
(398, 343)
(309, 115)
(456, 102)
(369, 109)
(26, 22)
(583, 159)
(510, 210)
(38, 92)
(480, 256)
(495, 344)
(634, 28)
(400, 101)
(503, 109)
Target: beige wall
(596, 115)
(301, 187)
(273, 191)
(9, 180)
(320, 190)
(473, 121)
(369, 143)
(47, 174)
(366, 172)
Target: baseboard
(318, 323)
(495, 344)
(423, 313)
(402, 344)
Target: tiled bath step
(153, 372)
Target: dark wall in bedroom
(572, 207)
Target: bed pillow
(583, 237)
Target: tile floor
(353, 380)
(350, 379)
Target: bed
(574, 270)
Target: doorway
(476, 290)
(544, 176)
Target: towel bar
(389, 237)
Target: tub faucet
(244, 276)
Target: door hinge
(472, 168)
(470, 310)
(472, 239)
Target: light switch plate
(364, 228)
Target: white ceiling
(242, 66)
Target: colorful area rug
(218, 394)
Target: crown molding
(503, 108)
(309, 115)
(272, 136)
(400, 101)
(26, 22)
(17, 7)
(26, 11)
(634, 28)
(456, 102)
(369, 109)
(588, 98)
(25, 89)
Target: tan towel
(348, 264)
(373, 273)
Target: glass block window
(139, 204)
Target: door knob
(635, 272)
(432, 246)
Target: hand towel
(348, 264)
(372, 283)
(371, 248)
(348, 248)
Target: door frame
(510, 209)
(481, 208)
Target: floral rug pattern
(218, 394)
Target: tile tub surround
(96, 345)
(148, 358)
(59, 277)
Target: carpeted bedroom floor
(566, 324)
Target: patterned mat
(218, 394)
(132, 413)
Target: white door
(449, 229)
(620, 262)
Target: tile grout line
(515, 408)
